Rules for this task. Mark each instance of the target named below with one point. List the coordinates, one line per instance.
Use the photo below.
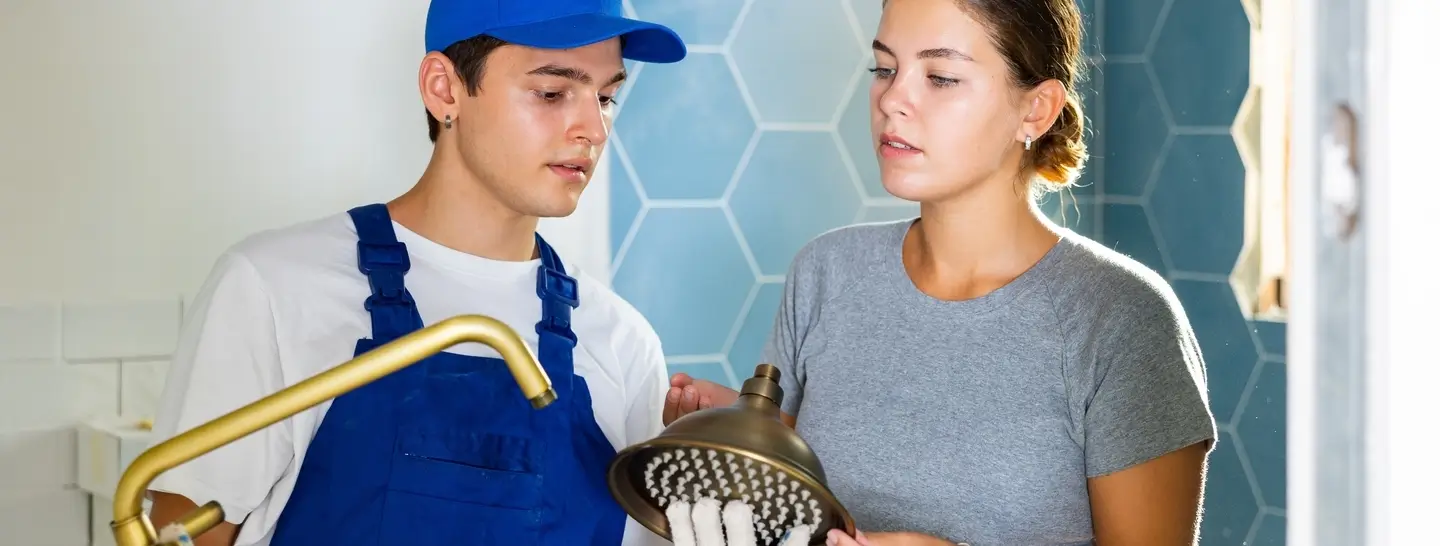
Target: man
(520, 97)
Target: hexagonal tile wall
(725, 164)
(1176, 73)
(798, 77)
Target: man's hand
(702, 524)
(688, 395)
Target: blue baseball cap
(550, 24)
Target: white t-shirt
(286, 304)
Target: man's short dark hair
(469, 58)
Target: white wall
(138, 140)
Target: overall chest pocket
(471, 467)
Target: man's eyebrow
(932, 53)
(576, 74)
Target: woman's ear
(1045, 103)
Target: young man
(519, 95)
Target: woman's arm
(1155, 503)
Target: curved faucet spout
(133, 528)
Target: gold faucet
(132, 527)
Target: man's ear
(438, 85)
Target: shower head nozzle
(742, 452)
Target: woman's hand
(688, 395)
(839, 538)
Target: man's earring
(1027, 137)
(447, 126)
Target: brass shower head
(742, 452)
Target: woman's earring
(1027, 137)
(447, 126)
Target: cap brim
(644, 42)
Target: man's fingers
(739, 524)
(690, 401)
(672, 407)
(681, 380)
(706, 517)
(682, 531)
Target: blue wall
(1172, 195)
(725, 164)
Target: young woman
(979, 375)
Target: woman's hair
(1041, 40)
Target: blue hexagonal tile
(624, 201)
(1067, 211)
(1230, 506)
(1198, 202)
(1272, 337)
(1089, 182)
(755, 329)
(1271, 531)
(793, 188)
(1224, 338)
(1261, 427)
(1129, 25)
(1135, 129)
(685, 126)
(709, 371)
(854, 131)
(867, 13)
(1088, 23)
(1202, 60)
(686, 273)
(1127, 230)
(698, 22)
(901, 210)
(793, 76)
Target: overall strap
(384, 261)
(559, 294)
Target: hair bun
(1059, 155)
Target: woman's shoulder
(850, 249)
(837, 259)
(1101, 286)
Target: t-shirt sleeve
(648, 381)
(782, 350)
(227, 358)
(1147, 382)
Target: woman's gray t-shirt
(979, 421)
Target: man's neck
(450, 208)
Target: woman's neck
(974, 244)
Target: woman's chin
(911, 187)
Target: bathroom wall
(728, 162)
(1173, 196)
(138, 140)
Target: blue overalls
(448, 451)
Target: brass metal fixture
(742, 452)
(132, 527)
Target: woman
(980, 375)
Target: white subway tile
(41, 395)
(29, 332)
(119, 330)
(57, 518)
(37, 460)
(102, 509)
(105, 448)
(140, 385)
